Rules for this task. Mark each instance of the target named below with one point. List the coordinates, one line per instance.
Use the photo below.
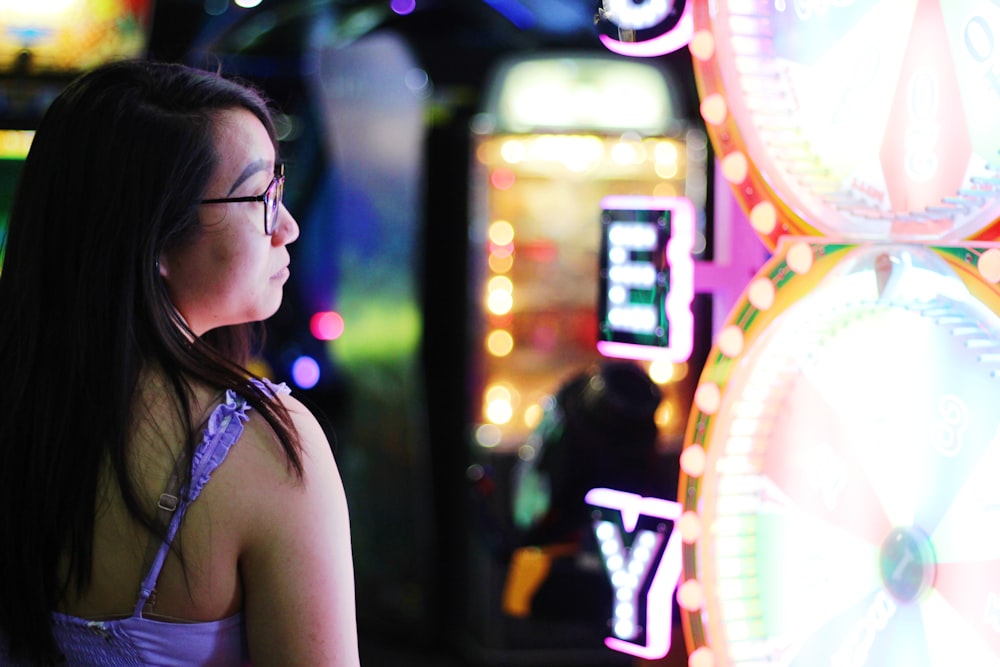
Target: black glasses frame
(271, 198)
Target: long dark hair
(115, 172)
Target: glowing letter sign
(643, 574)
(646, 278)
(645, 28)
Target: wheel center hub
(907, 564)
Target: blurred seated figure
(598, 431)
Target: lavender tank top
(137, 641)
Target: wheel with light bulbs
(840, 464)
(863, 119)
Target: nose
(287, 229)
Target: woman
(160, 505)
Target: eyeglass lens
(272, 200)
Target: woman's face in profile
(232, 272)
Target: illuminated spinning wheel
(866, 119)
(839, 478)
(841, 464)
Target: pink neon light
(681, 292)
(327, 325)
(677, 37)
(659, 613)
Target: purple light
(305, 372)
(403, 7)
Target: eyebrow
(250, 170)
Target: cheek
(223, 279)
(225, 255)
(199, 271)
(240, 263)
(240, 275)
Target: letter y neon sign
(645, 561)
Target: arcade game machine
(839, 472)
(44, 45)
(567, 145)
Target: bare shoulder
(295, 555)
(259, 457)
(312, 437)
(267, 482)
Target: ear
(162, 266)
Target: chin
(267, 313)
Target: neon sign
(646, 278)
(643, 574)
(645, 28)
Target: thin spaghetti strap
(149, 583)
(224, 427)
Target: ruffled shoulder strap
(224, 427)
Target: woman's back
(207, 586)
(197, 611)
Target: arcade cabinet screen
(71, 35)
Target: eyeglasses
(271, 198)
